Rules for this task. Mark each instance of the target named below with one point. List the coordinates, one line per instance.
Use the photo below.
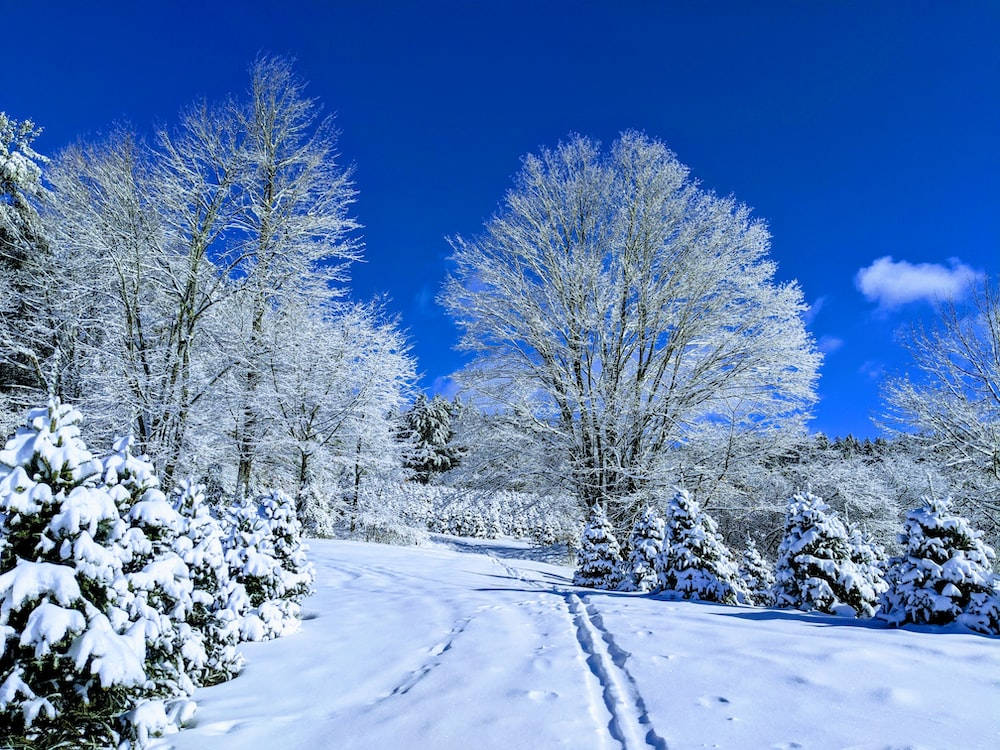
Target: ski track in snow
(630, 724)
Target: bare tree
(953, 398)
(297, 235)
(618, 306)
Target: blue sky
(857, 130)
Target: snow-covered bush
(217, 599)
(71, 653)
(599, 561)
(756, 574)
(816, 567)
(943, 569)
(695, 561)
(645, 545)
(266, 555)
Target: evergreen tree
(216, 597)
(427, 425)
(266, 555)
(757, 574)
(158, 577)
(695, 561)
(815, 568)
(983, 613)
(71, 654)
(943, 569)
(285, 532)
(645, 546)
(869, 559)
(599, 561)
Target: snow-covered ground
(470, 647)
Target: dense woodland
(188, 385)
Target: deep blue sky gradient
(857, 130)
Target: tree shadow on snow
(820, 619)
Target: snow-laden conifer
(869, 558)
(158, 577)
(943, 568)
(71, 654)
(695, 561)
(598, 563)
(983, 612)
(217, 599)
(266, 555)
(815, 568)
(645, 545)
(757, 574)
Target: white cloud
(445, 386)
(828, 344)
(893, 283)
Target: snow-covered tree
(599, 561)
(944, 564)
(72, 655)
(695, 561)
(951, 405)
(158, 578)
(266, 555)
(20, 190)
(645, 545)
(427, 427)
(612, 304)
(217, 599)
(296, 236)
(983, 613)
(757, 574)
(816, 568)
(869, 559)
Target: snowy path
(439, 649)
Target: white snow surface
(471, 647)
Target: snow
(436, 648)
(30, 580)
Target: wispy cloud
(872, 369)
(894, 283)
(810, 314)
(829, 344)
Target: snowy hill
(440, 648)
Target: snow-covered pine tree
(695, 561)
(71, 656)
(217, 599)
(158, 577)
(757, 574)
(645, 544)
(289, 549)
(815, 569)
(427, 426)
(599, 561)
(266, 555)
(983, 613)
(869, 558)
(944, 567)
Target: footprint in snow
(709, 701)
